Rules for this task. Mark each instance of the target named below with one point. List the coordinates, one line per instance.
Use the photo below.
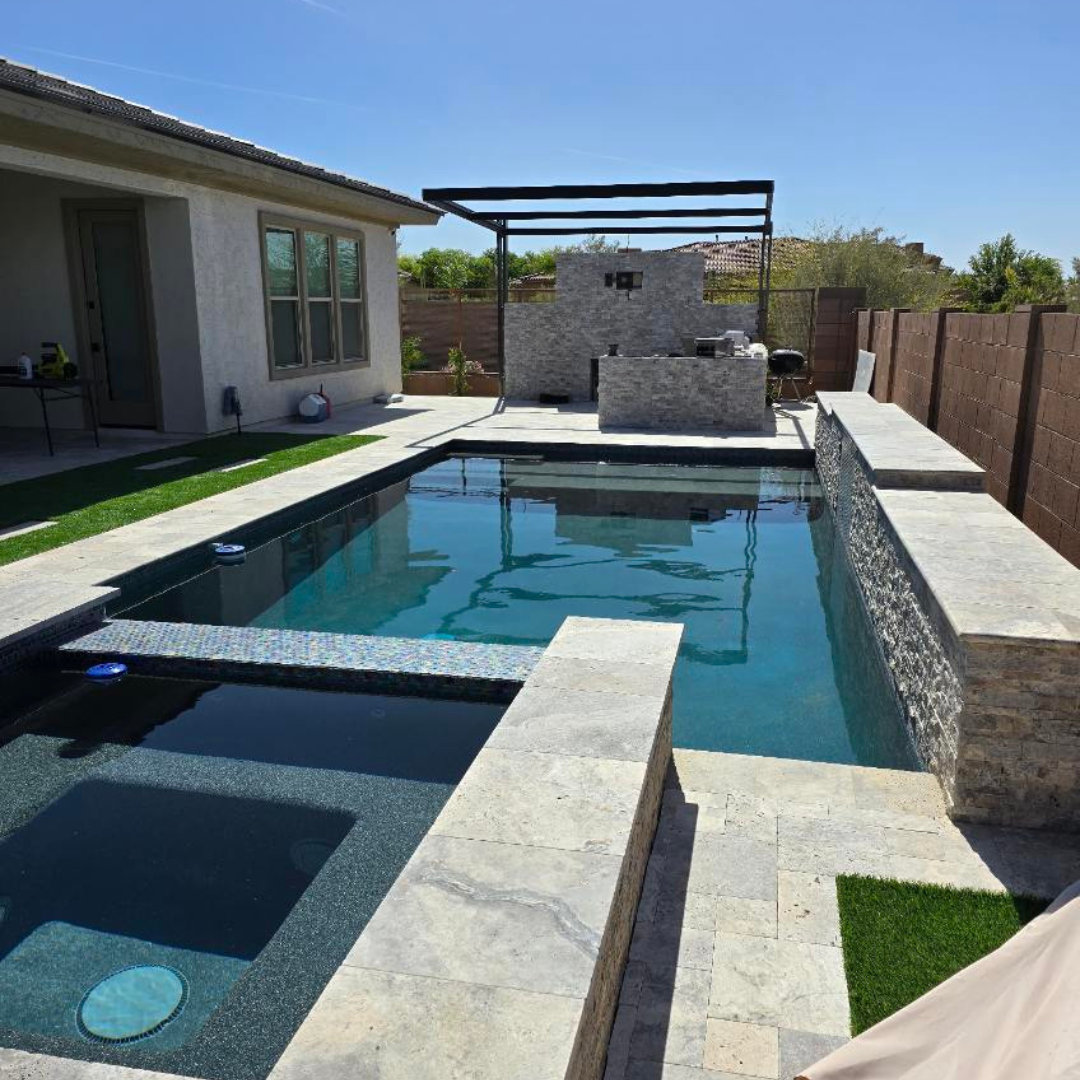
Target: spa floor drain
(309, 855)
(133, 1003)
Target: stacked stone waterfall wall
(995, 719)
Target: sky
(946, 122)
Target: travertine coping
(498, 953)
(987, 572)
(898, 452)
(36, 605)
(894, 448)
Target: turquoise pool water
(226, 843)
(776, 658)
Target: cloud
(322, 7)
(664, 166)
(194, 80)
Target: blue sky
(946, 122)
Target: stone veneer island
(669, 393)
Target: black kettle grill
(785, 362)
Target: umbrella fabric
(1013, 1015)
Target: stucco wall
(225, 243)
(35, 295)
(206, 283)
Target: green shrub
(412, 356)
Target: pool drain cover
(309, 855)
(132, 1003)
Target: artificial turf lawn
(96, 498)
(902, 939)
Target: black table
(60, 389)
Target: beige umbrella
(1013, 1015)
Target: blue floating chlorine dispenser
(110, 671)
(229, 554)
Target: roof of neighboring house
(742, 256)
(39, 84)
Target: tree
(893, 273)
(1000, 275)
(1072, 287)
(452, 268)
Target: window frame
(298, 227)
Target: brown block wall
(835, 330)
(443, 323)
(1052, 491)
(913, 362)
(983, 364)
(881, 345)
(1003, 389)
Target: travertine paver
(756, 843)
(743, 1049)
(807, 909)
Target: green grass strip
(902, 939)
(96, 498)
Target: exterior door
(116, 315)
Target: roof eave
(37, 121)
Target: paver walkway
(736, 969)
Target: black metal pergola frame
(694, 221)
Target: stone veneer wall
(688, 392)
(994, 718)
(549, 346)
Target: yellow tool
(55, 362)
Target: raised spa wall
(498, 954)
(977, 618)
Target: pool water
(777, 657)
(183, 865)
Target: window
(314, 298)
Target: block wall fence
(1003, 389)
(443, 318)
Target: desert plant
(460, 368)
(412, 356)
(893, 273)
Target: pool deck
(736, 970)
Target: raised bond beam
(499, 951)
(978, 619)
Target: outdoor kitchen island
(668, 393)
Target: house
(171, 261)
(741, 258)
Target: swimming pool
(777, 657)
(183, 865)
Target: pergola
(692, 220)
